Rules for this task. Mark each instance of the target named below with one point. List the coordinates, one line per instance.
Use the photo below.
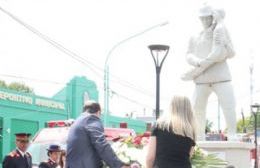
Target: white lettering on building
(16, 98)
(49, 103)
(29, 100)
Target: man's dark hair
(49, 153)
(91, 107)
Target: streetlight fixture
(106, 67)
(254, 109)
(159, 53)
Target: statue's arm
(218, 52)
(190, 57)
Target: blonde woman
(173, 138)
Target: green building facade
(22, 112)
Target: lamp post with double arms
(159, 53)
(254, 109)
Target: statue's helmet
(205, 10)
(219, 14)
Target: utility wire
(75, 56)
(112, 91)
(131, 100)
(53, 43)
(78, 58)
(60, 83)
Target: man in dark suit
(87, 145)
(54, 152)
(19, 158)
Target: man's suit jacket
(16, 160)
(87, 145)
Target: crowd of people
(20, 158)
(174, 134)
(171, 142)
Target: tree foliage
(17, 86)
(249, 124)
(209, 125)
(246, 125)
(3, 84)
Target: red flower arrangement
(138, 141)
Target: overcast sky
(90, 28)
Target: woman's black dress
(172, 150)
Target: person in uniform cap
(54, 152)
(19, 158)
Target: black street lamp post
(157, 50)
(255, 109)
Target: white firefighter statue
(207, 55)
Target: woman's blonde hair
(180, 118)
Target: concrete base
(236, 153)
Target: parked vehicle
(57, 133)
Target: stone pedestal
(236, 153)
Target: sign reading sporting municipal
(30, 100)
